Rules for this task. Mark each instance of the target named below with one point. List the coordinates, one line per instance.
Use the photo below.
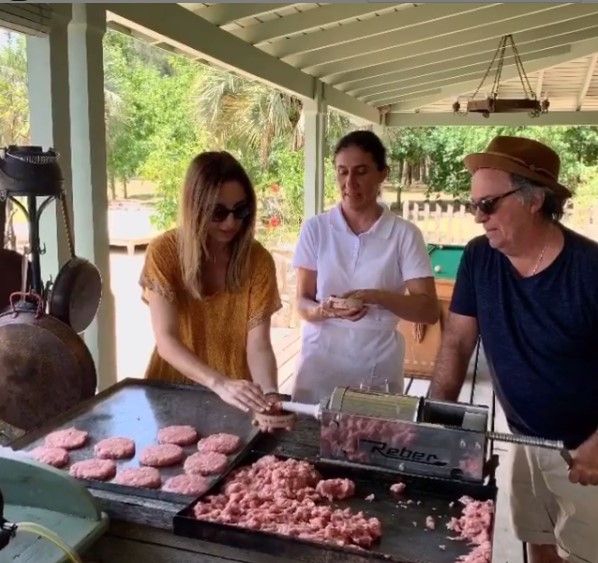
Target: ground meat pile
(340, 438)
(281, 497)
(475, 526)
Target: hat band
(532, 167)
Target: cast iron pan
(76, 293)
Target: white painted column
(48, 84)
(381, 131)
(88, 149)
(315, 112)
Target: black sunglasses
(221, 212)
(487, 205)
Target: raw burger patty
(187, 485)
(162, 455)
(69, 439)
(114, 448)
(181, 435)
(98, 469)
(208, 463)
(144, 477)
(220, 443)
(56, 457)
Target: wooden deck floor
(286, 344)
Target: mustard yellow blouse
(215, 328)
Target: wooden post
(88, 151)
(315, 111)
(450, 219)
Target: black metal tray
(137, 409)
(401, 542)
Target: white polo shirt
(391, 252)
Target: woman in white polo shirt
(359, 249)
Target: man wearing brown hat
(529, 288)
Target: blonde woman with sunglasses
(211, 289)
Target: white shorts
(547, 509)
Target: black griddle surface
(137, 409)
(405, 538)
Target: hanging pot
(28, 170)
(45, 367)
(10, 264)
(77, 290)
(10, 280)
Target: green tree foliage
(162, 109)
(14, 103)
(445, 147)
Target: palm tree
(241, 112)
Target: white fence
(448, 222)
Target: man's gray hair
(553, 206)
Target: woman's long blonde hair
(205, 175)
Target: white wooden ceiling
(407, 62)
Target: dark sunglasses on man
(487, 205)
(221, 212)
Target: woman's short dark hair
(368, 142)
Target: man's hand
(585, 462)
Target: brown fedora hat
(524, 157)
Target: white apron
(341, 353)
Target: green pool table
(445, 260)
(422, 341)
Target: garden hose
(49, 535)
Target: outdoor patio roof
(395, 64)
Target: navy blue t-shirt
(540, 335)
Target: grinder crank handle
(531, 441)
(314, 411)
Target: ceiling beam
(432, 119)
(350, 106)
(407, 60)
(193, 35)
(409, 15)
(587, 81)
(304, 21)
(461, 35)
(439, 80)
(482, 24)
(173, 24)
(576, 51)
(222, 14)
(478, 61)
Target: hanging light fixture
(492, 103)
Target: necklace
(538, 261)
